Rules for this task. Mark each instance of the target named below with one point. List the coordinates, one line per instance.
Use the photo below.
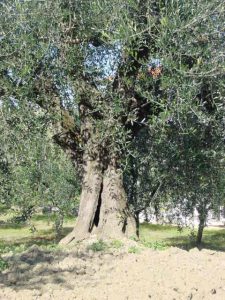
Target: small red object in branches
(155, 71)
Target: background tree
(143, 179)
(34, 172)
(191, 155)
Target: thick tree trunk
(103, 207)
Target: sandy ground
(114, 274)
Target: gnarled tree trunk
(103, 207)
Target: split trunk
(103, 207)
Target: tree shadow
(12, 225)
(46, 239)
(157, 227)
(36, 267)
(212, 240)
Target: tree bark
(137, 220)
(103, 207)
(201, 227)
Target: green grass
(15, 232)
(98, 246)
(116, 244)
(16, 238)
(50, 218)
(40, 227)
(134, 249)
(163, 236)
(3, 264)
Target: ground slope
(114, 274)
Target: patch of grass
(51, 217)
(163, 236)
(98, 246)
(157, 236)
(134, 238)
(158, 245)
(157, 227)
(43, 217)
(116, 244)
(9, 248)
(134, 249)
(3, 264)
(12, 225)
(16, 238)
(214, 239)
(14, 248)
(39, 226)
(22, 245)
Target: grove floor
(164, 264)
(128, 272)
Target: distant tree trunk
(146, 215)
(201, 227)
(156, 210)
(137, 220)
(202, 215)
(103, 207)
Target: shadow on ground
(36, 268)
(212, 240)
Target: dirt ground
(114, 274)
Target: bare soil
(114, 274)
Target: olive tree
(103, 70)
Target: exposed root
(67, 239)
(73, 237)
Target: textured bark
(103, 205)
(137, 220)
(91, 188)
(115, 220)
(201, 227)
